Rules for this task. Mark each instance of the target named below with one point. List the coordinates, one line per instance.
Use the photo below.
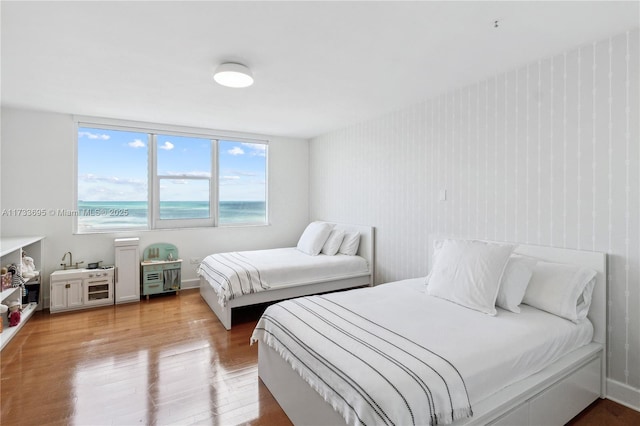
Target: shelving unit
(11, 250)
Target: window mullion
(214, 182)
(153, 182)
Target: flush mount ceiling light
(231, 74)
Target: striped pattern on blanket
(233, 274)
(368, 373)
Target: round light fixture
(231, 74)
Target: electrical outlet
(195, 260)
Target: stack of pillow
(322, 237)
(482, 275)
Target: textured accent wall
(545, 154)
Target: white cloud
(91, 178)
(229, 177)
(90, 135)
(236, 150)
(257, 149)
(136, 144)
(104, 188)
(167, 146)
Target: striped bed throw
(370, 374)
(232, 275)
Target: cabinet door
(74, 294)
(66, 295)
(127, 274)
(58, 295)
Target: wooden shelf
(6, 293)
(8, 332)
(11, 244)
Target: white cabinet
(127, 270)
(11, 252)
(65, 294)
(80, 289)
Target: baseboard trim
(623, 394)
(192, 283)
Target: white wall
(546, 154)
(37, 155)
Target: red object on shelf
(14, 318)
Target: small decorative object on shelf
(15, 309)
(6, 279)
(28, 267)
(16, 276)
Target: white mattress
(491, 352)
(286, 267)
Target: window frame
(152, 130)
(155, 178)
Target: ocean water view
(106, 215)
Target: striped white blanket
(233, 274)
(369, 373)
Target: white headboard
(366, 248)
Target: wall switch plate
(442, 195)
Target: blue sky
(112, 166)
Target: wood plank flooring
(165, 361)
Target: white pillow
(350, 243)
(332, 245)
(561, 289)
(468, 273)
(514, 282)
(314, 237)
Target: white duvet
(489, 352)
(269, 269)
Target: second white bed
(489, 352)
(283, 267)
(279, 274)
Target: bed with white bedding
(230, 280)
(394, 354)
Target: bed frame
(552, 396)
(365, 249)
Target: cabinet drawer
(152, 276)
(153, 287)
(517, 416)
(96, 288)
(159, 267)
(562, 401)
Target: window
(242, 180)
(130, 178)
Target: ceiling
(318, 66)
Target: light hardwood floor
(165, 361)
